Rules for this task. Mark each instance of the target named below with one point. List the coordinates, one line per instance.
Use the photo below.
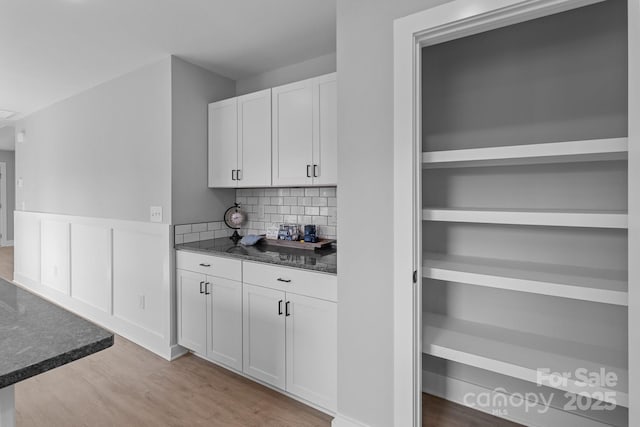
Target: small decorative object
(272, 233)
(234, 217)
(310, 234)
(250, 239)
(289, 232)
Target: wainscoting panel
(91, 275)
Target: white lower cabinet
(311, 336)
(210, 317)
(278, 326)
(264, 334)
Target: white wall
(303, 70)
(7, 138)
(9, 157)
(192, 89)
(365, 161)
(105, 152)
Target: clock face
(237, 218)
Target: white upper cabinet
(223, 143)
(325, 131)
(304, 142)
(254, 140)
(240, 141)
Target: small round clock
(234, 217)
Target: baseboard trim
(344, 421)
(177, 352)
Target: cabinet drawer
(211, 265)
(302, 282)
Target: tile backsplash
(188, 233)
(267, 207)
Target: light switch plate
(155, 214)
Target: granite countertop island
(321, 260)
(36, 336)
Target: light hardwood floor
(127, 385)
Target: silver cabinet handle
(238, 174)
(280, 279)
(201, 283)
(315, 171)
(287, 312)
(204, 265)
(280, 308)
(308, 173)
(206, 288)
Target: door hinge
(415, 276)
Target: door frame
(461, 18)
(3, 205)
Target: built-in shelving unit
(525, 240)
(529, 217)
(521, 355)
(581, 283)
(554, 152)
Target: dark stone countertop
(36, 335)
(322, 260)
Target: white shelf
(581, 283)
(554, 152)
(521, 355)
(529, 217)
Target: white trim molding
(118, 274)
(343, 421)
(443, 23)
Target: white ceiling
(52, 49)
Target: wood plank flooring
(127, 385)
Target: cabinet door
(292, 109)
(254, 139)
(223, 143)
(325, 127)
(264, 334)
(224, 321)
(312, 349)
(192, 311)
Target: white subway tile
(264, 200)
(196, 228)
(214, 225)
(183, 229)
(284, 191)
(252, 200)
(332, 201)
(284, 209)
(222, 233)
(191, 237)
(328, 192)
(179, 239)
(241, 200)
(319, 201)
(277, 201)
(304, 219)
(206, 235)
(311, 192)
(297, 210)
(269, 209)
(270, 192)
(297, 192)
(290, 200)
(324, 211)
(304, 201)
(291, 219)
(243, 192)
(311, 210)
(332, 220)
(320, 220)
(258, 192)
(276, 218)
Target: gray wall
(105, 152)
(192, 88)
(9, 158)
(365, 161)
(303, 70)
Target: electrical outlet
(155, 214)
(141, 302)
